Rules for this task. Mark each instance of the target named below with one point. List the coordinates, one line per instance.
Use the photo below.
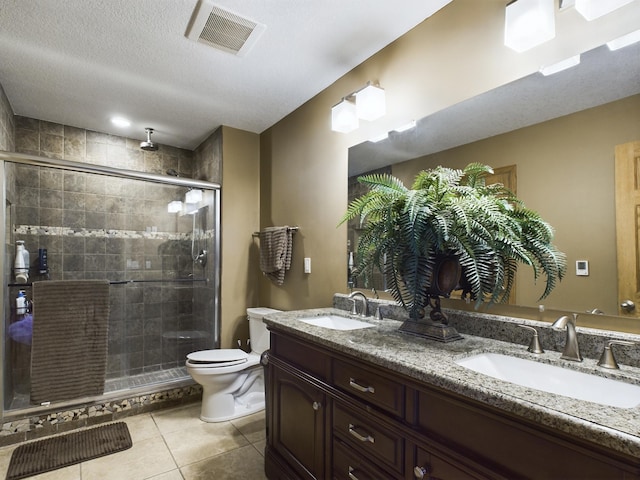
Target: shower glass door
(161, 265)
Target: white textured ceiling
(78, 62)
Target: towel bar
(123, 282)
(292, 229)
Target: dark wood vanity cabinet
(331, 416)
(298, 424)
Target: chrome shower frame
(34, 160)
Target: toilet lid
(218, 358)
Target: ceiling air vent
(223, 29)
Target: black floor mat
(61, 451)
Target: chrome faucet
(607, 360)
(571, 348)
(365, 310)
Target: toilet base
(239, 412)
(221, 407)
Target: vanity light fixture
(366, 103)
(528, 23)
(174, 207)
(592, 9)
(560, 66)
(370, 103)
(624, 41)
(193, 196)
(344, 118)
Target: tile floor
(174, 444)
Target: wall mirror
(560, 132)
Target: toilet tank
(258, 332)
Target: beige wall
(240, 218)
(565, 171)
(454, 55)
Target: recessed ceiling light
(379, 138)
(624, 41)
(560, 66)
(406, 126)
(120, 122)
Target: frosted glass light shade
(174, 207)
(193, 196)
(344, 117)
(191, 208)
(370, 103)
(529, 23)
(592, 9)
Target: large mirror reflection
(558, 136)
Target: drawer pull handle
(351, 475)
(362, 438)
(360, 388)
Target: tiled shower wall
(117, 229)
(7, 128)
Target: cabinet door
(298, 423)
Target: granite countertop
(434, 363)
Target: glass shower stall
(154, 238)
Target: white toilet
(232, 380)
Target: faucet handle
(354, 310)
(607, 359)
(534, 345)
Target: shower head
(149, 146)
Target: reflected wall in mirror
(561, 133)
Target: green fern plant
(450, 212)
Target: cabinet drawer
(369, 438)
(434, 467)
(300, 354)
(350, 465)
(369, 386)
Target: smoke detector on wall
(222, 29)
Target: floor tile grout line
(164, 440)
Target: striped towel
(275, 252)
(69, 346)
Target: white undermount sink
(334, 322)
(553, 379)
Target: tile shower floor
(174, 444)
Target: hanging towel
(275, 252)
(69, 344)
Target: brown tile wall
(7, 127)
(95, 226)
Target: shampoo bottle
(21, 303)
(21, 264)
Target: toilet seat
(226, 357)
